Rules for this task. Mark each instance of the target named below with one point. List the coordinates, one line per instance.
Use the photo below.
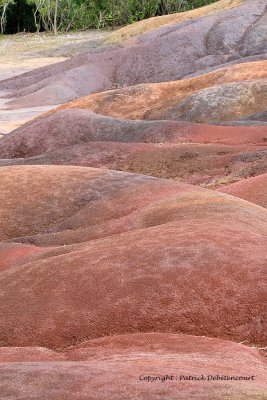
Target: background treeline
(65, 15)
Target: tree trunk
(2, 25)
(37, 24)
(2, 21)
(55, 19)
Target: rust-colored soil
(13, 254)
(207, 165)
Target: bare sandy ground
(25, 52)
(12, 119)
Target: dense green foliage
(65, 15)
(121, 12)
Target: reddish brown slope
(201, 164)
(186, 260)
(13, 254)
(82, 202)
(253, 190)
(116, 367)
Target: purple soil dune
(118, 367)
(77, 126)
(253, 190)
(168, 53)
(156, 256)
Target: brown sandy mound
(253, 190)
(150, 24)
(66, 204)
(55, 198)
(207, 165)
(226, 94)
(213, 40)
(158, 273)
(118, 367)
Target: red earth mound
(62, 205)
(75, 126)
(159, 148)
(253, 190)
(154, 266)
(158, 366)
(212, 40)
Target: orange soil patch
(154, 101)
